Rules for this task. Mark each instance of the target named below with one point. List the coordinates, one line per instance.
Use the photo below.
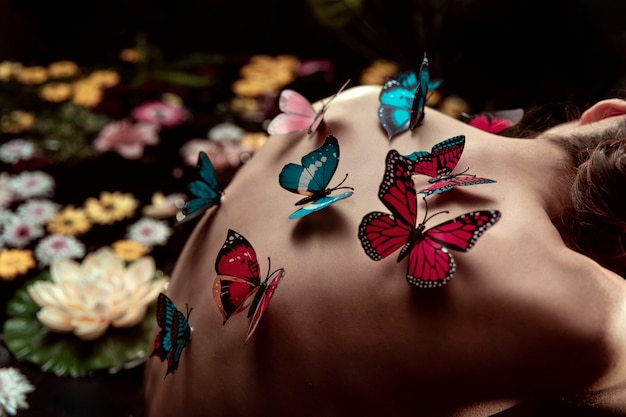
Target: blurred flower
(6, 193)
(160, 113)
(86, 93)
(16, 149)
(312, 66)
(56, 92)
(104, 78)
(131, 55)
(264, 74)
(17, 121)
(70, 221)
(56, 247)
(226, 132)
(129, 250)
(14, 262)
(111, 207)
(32, 75)
(31, 184)
(87, 298)
(162, 206)
(254, 140)
(378, 72)
(19, 232)
(38, 211)
(8, 69)
(149, 232)
(62, 69)
(13, 389)
(454, 106)
(126, 138)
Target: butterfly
(205, 189)
(439, 163)
(402, 100)
(298, 113)
(175, 333)
(495, 122)
(430, 264)
(311, 179)
(238, 285)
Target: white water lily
(87, 298)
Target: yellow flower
(264, 74)
(111, 207)
(104, 78)
(8, 69)
(17, 121)
(378, 72)
(14, 262)
(131, 55)
(56, 92)
(164, 206)
(129, 250)
(69, 221)
(86, 93)
(454, 106)
(32, 75)
(87, 298)
(253, 140)
(62, 69)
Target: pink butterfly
(298, 113)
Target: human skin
(523, 316)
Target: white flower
(19, 232)
(226, 132)
(15, 150)
(13, 389)
(38, 211)
(87, 298)
(56, 247)
(30, 184)
(149, 232)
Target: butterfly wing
(380, 233)
(394, 112)
(319, 204)
(496, 122)
(205, 189)
(430, 263)
(175, 333)
(315, 171)
(262, 300)
(237, 277)
(297, 114)
(448, 183)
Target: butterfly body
(174, 335)
(311, 178)
(439, 164)
(205, 189)
(430, 263)
(402, 100)
(237, 285)
(298, 113)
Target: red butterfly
(430, 262)
(495, 122)
(439, 163)
(238, 285)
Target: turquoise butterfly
(175, 333)
(205, 189)
(311, 179)
(403, 98)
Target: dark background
(494, 53)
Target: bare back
(346, 335)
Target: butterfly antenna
(188, 310)
(339, 187)
(426, 217)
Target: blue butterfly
(402, 100)
(205, 189)
(311, 179)
(175, 333)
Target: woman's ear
(603, 109)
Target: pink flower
(160, 113)
(223, 155)
(126, 138)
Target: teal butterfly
(311, 179)
(205, 189)
(175, 333)
(403, 98)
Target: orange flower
(104, 78)
(264, 74)
(17, 121)
(111, 207)
(131, 55)
(8, 69)
(378, 72)
(86, 93)
(62, 69)
(56, 92)
(14, 262)
(32, 75)
(69, 221)
(129, 250)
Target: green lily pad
(63, 353)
